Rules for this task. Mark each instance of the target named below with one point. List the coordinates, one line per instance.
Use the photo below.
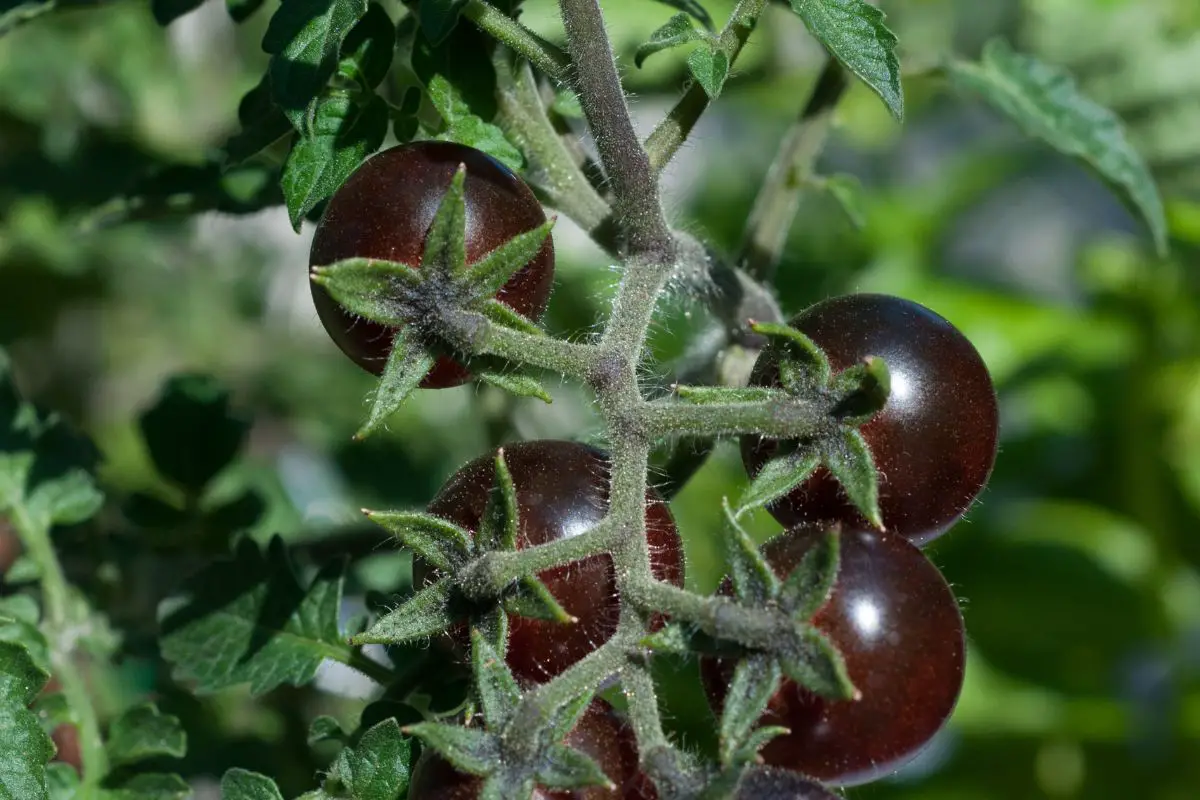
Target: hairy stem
(673, 131)
(775, 207)
(719, 617)
(639, 213)
(478, 335)
(782, 419)
(492, 572)
(62, 632)
(542, 54)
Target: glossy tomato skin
(600, 733)
(934, 442)
(562, 490)
(897, 624)
(384, 211)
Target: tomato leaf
(677, 31)
(425, 614)
(489, 274)
(27, 747)
(778, 477)
(467, 128)
(342, 135)
(241, 10)
(755, 680)
(854, 33)
(812, 661)
(439, 18)
(515, 383)
(303, 38)
(149, 786)
(849, 460)
(378, 766)
(811, 582)
(709, 66)
(753, 579)
(1045, 102)
(407, 365)
(19, 617)
(144, 732)
(366, 54)
(167, 11)
(495, 685)
(263, 124)
(694, 9)
(241, 784)
(248, 620)
(62, 780)
(563, 767)
(470, 750)
(442, 544)
(325, 729)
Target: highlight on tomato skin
(384, 211)
(562, 491)
(935, 440)
(600, 733)
(898, 626)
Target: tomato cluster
(891, 614)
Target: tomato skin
(897, 625)
(562, 490)
(934, 443)
(384, 211)
(600, 733)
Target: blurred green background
(1079, 569)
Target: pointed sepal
(753, 579)
(407, 365)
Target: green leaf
(439, 18)
(343, 135)
(143, 732)
(377, 768)
(368, 287)
(467, 128)
(1047, 104)
(755, 681)
(425, 614)
(515, 383)
(439, 543)
(469, 750)
(495, 685)
(407, 365)
(167, 11)
(53, 710)
(19, 626)
(325, 729)
(241, 10)
(191, 430)
(27, 747)
(721, 395)
(709, 66)
(811, 582)
(849, 460)
(150, 786)
(303, 38)
(367, 52)
(813, 662)
(238, 514)
(241, 784)
(489, 274)
(263, 123)
(753, 579)
(809, 364)
(678, 30)
(848, 191)
(778, 477)
(62, 780)
(67, 500)
(854, 32)
(534, 601)
(249, 621)
(694, 9)
(564, 767)
(502, 314)
(500, 525)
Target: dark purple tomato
(600, 733)
(898, 627)
(384, 211)
(562, 491)
(934, 442)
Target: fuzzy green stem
(491, 573)
(62, 633)
(477, 335)
(541, 53)
(523, 117)
(380, 673)
(775, 207)
(673, 131)
(718, 616)
(785, 419)
(644, 716)
(638, 211)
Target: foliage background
(1079, 569)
